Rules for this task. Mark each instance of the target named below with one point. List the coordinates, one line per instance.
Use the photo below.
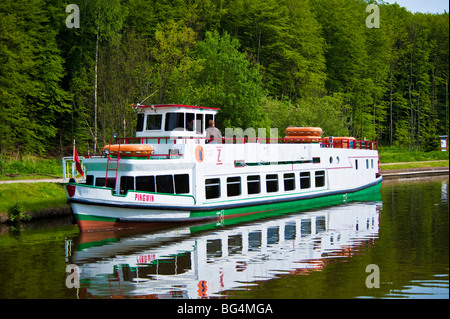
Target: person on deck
(213, 133)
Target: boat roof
(178, 106)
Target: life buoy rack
(128, 149)
(303, 131)
(303, 139)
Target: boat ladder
(112, 167)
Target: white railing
(70, 170)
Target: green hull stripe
(95, 218)
(270, 210)
(265, 210)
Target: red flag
(77, 161)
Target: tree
(32, 100)
(226, 79)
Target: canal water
(394, 244)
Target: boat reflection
(204, 261)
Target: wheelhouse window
(289, 181)
(212, 188)
(305, 180)
(254, 184)
(154, 122)
(233, 186)
(190, 121)
(174, 120)
(272, 183)
(140, 123)
(208, 117)
(199, 123)
(320, 178)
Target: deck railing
(324, 142)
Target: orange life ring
(129, 149)
(303, 131)
(303, 139)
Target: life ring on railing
(303, 139)
(303, 131)
(128, 149)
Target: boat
(173, 172)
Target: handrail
(70, 170)
(324, 142)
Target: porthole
(331, 159)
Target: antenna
(147, 97)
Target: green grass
(400, 155)
(32, 196)
(29, 167)
(415, 165)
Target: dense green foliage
(266, 63)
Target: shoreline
(414, 172)
(390, 174)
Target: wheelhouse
(173, 120)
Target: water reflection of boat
(194, 262)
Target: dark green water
(322, 253)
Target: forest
(264, 63)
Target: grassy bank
(31, 197)
(29, 167)
(401, 155)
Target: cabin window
(126, 184)
(140, 123)
(254, 184)
(320, 178)
(371, 163)
(233, 186)
(212, 188)
(101, 182)
(367, 163)
(181, 183)
(145, 183)
(154, 122)
(174, 120)
(305, 180)
(89, 179)
(272, 183)
(289, 182)
(356, 164)
(164, 184)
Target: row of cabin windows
(174, 120)
(234, 188)
(171, 184)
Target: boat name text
(144, 198)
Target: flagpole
(73, 158)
